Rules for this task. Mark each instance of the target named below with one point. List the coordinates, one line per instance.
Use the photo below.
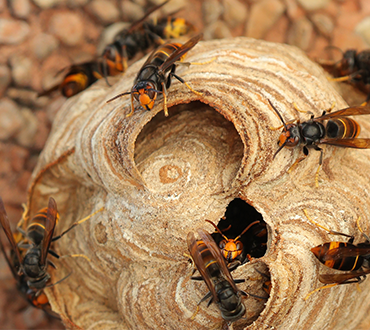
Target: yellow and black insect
(140, 37)
(212, 267)
(155, 75)
(78, 78)
(354, 67)
(29, 251)
(35, 297)
(344, 256)
(338, 130)
(232, 248)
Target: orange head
(231, 248)
(290, 136)
(37, 299)
(145, 93)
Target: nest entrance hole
(194, 147)
(238, 216)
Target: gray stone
(11, 120)
(131, 11)
(263, 15)
(363, 29)
(300, 33)
(44, 4)
(217, 30)
(323, 23)
(13, 31)
(43, 45)
(5, 78)
(235, 12)
(26, 96)
(20, 8)
(21, 67)
(68, 27)
(142, 3)
(172, 7)
(77, 3)
(212, 9)
(26, 135)
(313, 4)
(106, 11)
(3, 5)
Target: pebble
(332, 9)
(363, 29)
(44, 4)
(349, 20)
(43, 45)
(172, 7)
(105, 11)
(365, 7)
(20, 8)
(345, 39)
(142, 3)
(293, 10)
(19, 158)
(279, 31)
(109, 33)
(301, 33)
(346, 7)
(10, 119)
(235, 12)
(68, 26)
(22, 68)
(318, 51)
(77, 3)
(311, 5)
(14, 190)
(5, 78)
(5, 167)
(263, 15)
(217, 30)
(323, 23)
(212, 9)
(13, 31)
(26, 135)
(131, 11)
(26, 97)
(156, 2)
(13, 186)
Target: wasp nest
(161, 177)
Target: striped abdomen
(161, 54)
(326, 253)
(342, 128)
(79, 77)
(210, 263)
(36, 229)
